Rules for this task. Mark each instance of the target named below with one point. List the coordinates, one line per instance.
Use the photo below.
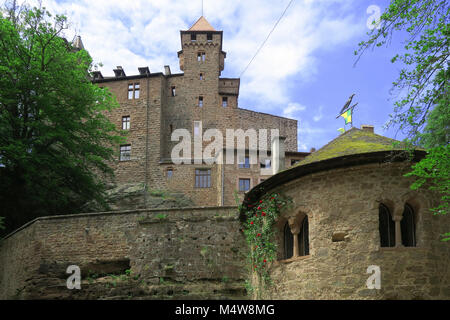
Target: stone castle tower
(154, 105)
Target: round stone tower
(356, 230)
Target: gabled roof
(353, 141)
(201, 25)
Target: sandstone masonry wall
(347, 201)
(168, 253)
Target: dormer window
(201, 57)
(193, 37)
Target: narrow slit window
(169, 173)
(288, 242)
(303, 238)
(408, 227)
(201, 76)
(173, 90)
(200, 101)
(224, 101)
(386, 227)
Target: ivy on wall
(258, 230)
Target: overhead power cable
(267, 38)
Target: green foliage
(161, 216)
(55, 141)
(422, 110)
(259, 233)
(435, 169)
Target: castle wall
(346, 202)
(167, 253)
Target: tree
(422, 112)
(55, 141)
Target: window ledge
(286, 261)
(401, 248)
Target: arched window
(288, 242)
(387, 227)
(408, 227)
(303, 238)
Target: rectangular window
(197, 128)
(173, 92)
(224, 101)
(266, 164)
(136, 90)
(201, 76)
(125, 152)
(130, 91)
(202, 178)
(169, 173)
(244, 184)
(200, 101)
(201, 57)
(133, 91)
(126, 123)
(294, 161)
(193, 37)
(209, 36)
(244, 164)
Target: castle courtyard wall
(150, 254)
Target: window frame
(123, 152)
(202, 180)
(239, 183)
(126, 122)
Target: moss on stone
(354, 141)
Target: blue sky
(305, 70)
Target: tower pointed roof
(201, 25)
(77, 43)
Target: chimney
(144, 71)
(119, 72)
(167, 70)
(278, 156)
(368, 128)
(97, 75)
(312, 150)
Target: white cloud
(146, 33)
(292, 109)
(319, 115)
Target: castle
(352, 207)
(154, 105)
